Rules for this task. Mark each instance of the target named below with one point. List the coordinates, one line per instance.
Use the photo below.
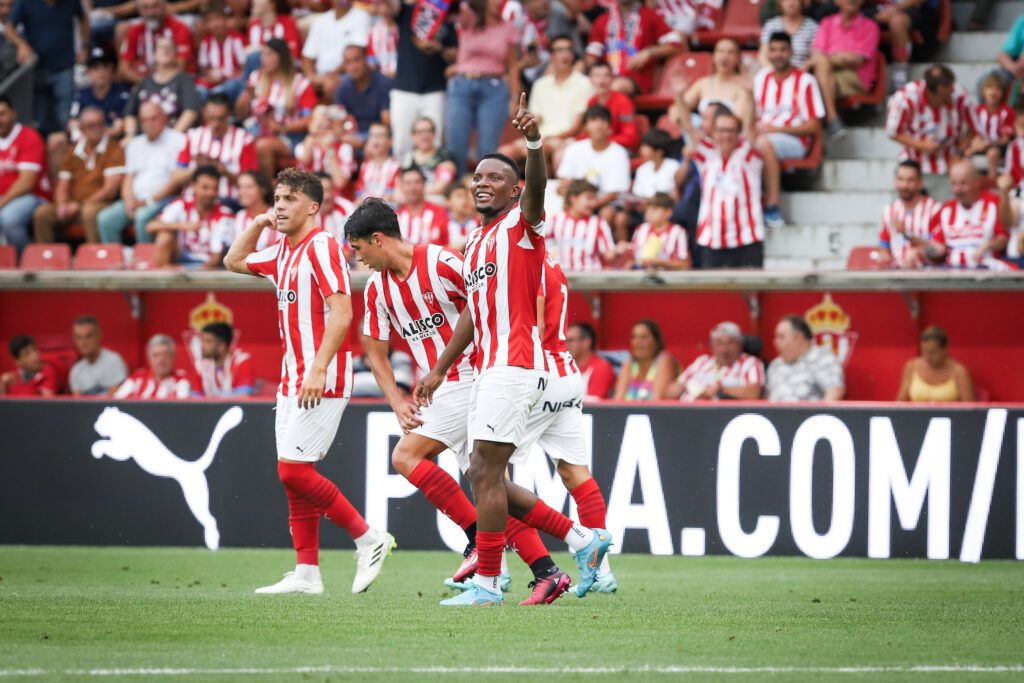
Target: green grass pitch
(125, 613)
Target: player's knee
(291, 474)
(572, 475)
(404, 461)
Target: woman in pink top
(483, 89)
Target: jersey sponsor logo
(126, 438)
(476, 278)
(424, 327)
(288, 297)
(558, 406)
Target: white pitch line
(526, 670)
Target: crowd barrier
(860, 480)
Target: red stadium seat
(811, 162)
(46, 257)
(740, 22)
(867, 258)
(877, 94)
(692, 65)
(8, 257)
(99, 257)
(142, 256)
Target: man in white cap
(725, 373)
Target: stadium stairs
(839, 208)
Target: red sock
(443, 492)
(489, 547)
(525, 541)
(304, 522)
(548, 520)
(322, 494)
(590, 504)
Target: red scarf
(427, 17)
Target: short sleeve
(309, 48)
(330, 273)
(174, 213)
(828, 373)
(1014, 44)
(449, 270)
(190, 99)
(264, 261)
(243, 375)
(376, 321)
(935, 228)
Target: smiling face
(779, 54)
(494, 187)
(642, 344)
(908, 183)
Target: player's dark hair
(799, 326)
(588, 331)
(372, 216)
(219, 99)
(86, 320)
(937, 76)
(658, 140)
(781, 37)
(911, 164)
(221, 330)
(505, 160)
(413, 168)
(302, 181)
(19, 343)
(206, 170)
(660, 200)
(598, 112)
(262, 182)
(935, 334)
(655, 331)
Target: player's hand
(408, 416)
(312, 390)
(525, 122)
(265, 220)
(424, 392)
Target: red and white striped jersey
(664, 245)
(377, 178)
(382, 46)
(223, 381)
(993, 126)
(1014, 164)
(199, 244)
(555, 290)
(910, 114)
(730, 206)
(423, 308)
(964, 230)
(243, 218)
(225, 56)
(284, 27)
(334, 220)
(579, 243)
(459, 231)
(236, 149)
(280, 102)
(305, 275)
(503, 270)
(427, 226)
(917, 221)
(143, 384)
(789, 103)
(692, 14)
(705, 371)
(318, 158)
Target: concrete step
(972, 47)
(859, 175)
(862, 143)
(833, 208)
(968, 74)
(817, 241)
(1003, 14)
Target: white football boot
(370, 560)
(305, 579)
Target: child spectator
(578, 238)
(222, 368)
(190, 230)
(658, 173)
(159, 380)
(598, 160)
(379, 172)
(659, 244)
(462, 217)
(581, 340)
(32, 376)
(98, 370)
(993, 123)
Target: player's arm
(240, 249)
(461, 338)
(380, 366)
(339, 317)
(531, 203)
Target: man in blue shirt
(104, 92)
(363, 92)
(48, 27)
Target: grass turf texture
(81, 608)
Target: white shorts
(787, 146)
(306, 434)
(446, 419)
(556, 423)
(503, 398)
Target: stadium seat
(8, 257)
(99, 257)
(692, 65)
(866, 258)
(811, 162)
(46, 257)
(877, 94)
(142, 256)
(740, 21)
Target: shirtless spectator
(581, 339)
(906, 223)
(159, 380)
(725, 86)
(98, 370)
(31, 376)
(725, 373)
(967, 232)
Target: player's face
(412, 188)
(86, 339)
(370, 252)
(494, 187)
(161, 360)
(725, 349)
(908, 183)
(292, 209)
(779, 54)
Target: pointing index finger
(522, 101)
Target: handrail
(18, 87)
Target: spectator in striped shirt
(993, 123)
(803, 371)
(159, 379)
(581, 339)
(725, 373)
(906, 223)
(221, 54)
(462, 216)
(379, 171)
(967, 232)
(420, 221)
(578, 238)
(222, 368)
(659, 244)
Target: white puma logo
(127, 437)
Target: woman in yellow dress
(935, 377)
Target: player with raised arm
(418, 291)
(314, 311)
(502, 271)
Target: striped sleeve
(329, 270)
(604, 242)
(264, 261)
(894, 120)
(753, 373)
(680, 250)
(449, 270)
(376, 321)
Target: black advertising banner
(868, 481)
